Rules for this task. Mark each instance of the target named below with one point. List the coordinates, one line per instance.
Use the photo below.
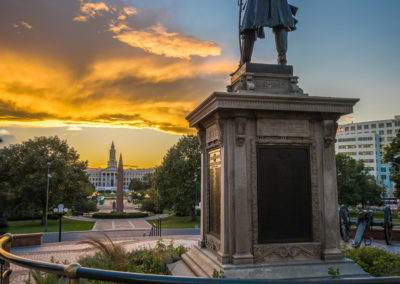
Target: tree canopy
(392, 156)
(355, 184)
(23, 176)
(177, 180)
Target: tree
(392, 156)
(355, 185)
(177, 179)
(136, 185)
(23, 173)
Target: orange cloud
(157, 40)
(39, 92)
(23, 24)
(90, 10)
(26, 25)
(130, 11)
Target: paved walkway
(79, 236)
(119, 224)
(70, 252)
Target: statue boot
(248, 39)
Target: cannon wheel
(388, 225)
(344, 223)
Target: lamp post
(47, 196)
(61, 211)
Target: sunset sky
(129, 71)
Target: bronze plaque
(284, 195)
(214, 190)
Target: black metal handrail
(156, 228)
(74, 272)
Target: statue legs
(281, 40)
(248, 39)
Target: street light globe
(65, 210)
(55, 210)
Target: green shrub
(144, 260)
(150, 206)
(375, 261)
(112, 256)
(120, 215)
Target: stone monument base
(269, 190)
(203, 264)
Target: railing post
(160, 226)
(6, 271)
(71, 272)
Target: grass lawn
(378, 216)
(175, 222)
(34, 226)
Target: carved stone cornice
(267, 102)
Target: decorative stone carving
(250, 84)
(240, 131)
(330, 128)
(287, 252)
(212, 134)
(213, 243)
(294, 87)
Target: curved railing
(74, 272)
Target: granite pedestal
(269, 193)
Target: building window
(347, 139)
(347, 147)
(389, 131)
(364, 139)
(383, 170)
(373, 131)
(365, 153)
(359, 127)
(353, 128)
(350, 154)
(366, 146)
(370, 169)
(397, 123)
(381, 132)
(373, 126)
(381, 125)
(367, 161)
(382, 139)
(366, 126)
(383, 177)
(390, 139)
(389, 124)
(346, 129)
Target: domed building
(106, 179)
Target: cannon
(364, 222)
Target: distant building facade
(106, 179)
(367, 141)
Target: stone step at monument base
(203, 264)
(304, 270)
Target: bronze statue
(275, 14)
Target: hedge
(375, 261)
(119, 215)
